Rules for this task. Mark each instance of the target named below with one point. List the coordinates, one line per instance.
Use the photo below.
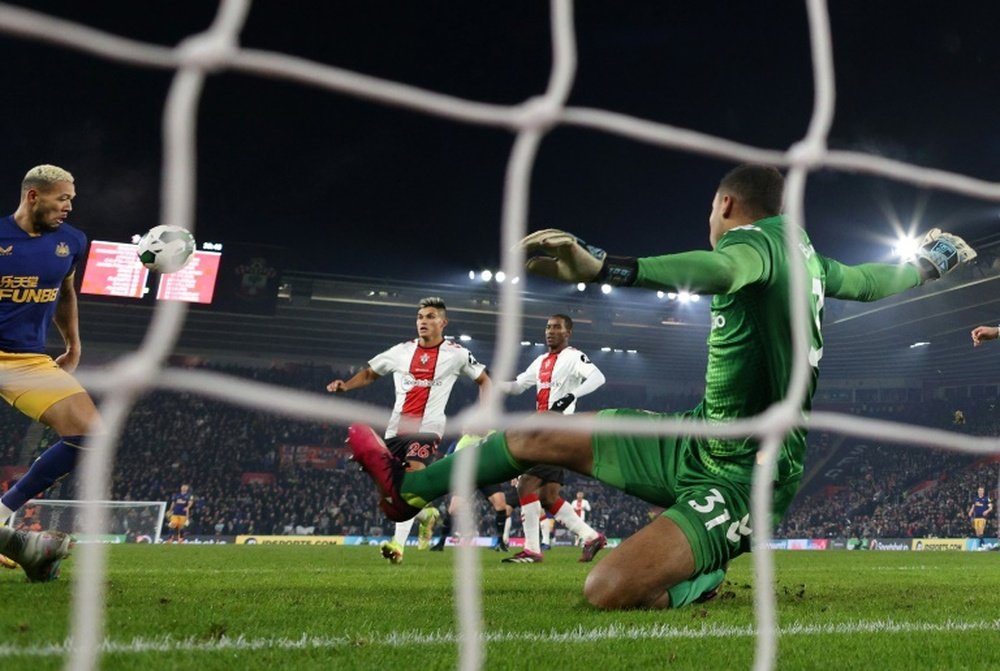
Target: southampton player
(560, 377)
(980, 509)
(424, 370)
(38, 255)
(680, 557)
(581, 508)
(180, 513)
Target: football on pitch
(166, 249)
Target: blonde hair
(44, 176)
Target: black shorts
(513, 500)
(490, 490)
(546, 473)
(420, 447)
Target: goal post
(128, 521)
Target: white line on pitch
(576, 635)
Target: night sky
(354, 187)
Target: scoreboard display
(113, 269)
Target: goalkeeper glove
(563, 256)
(940, 253)
(563, 403)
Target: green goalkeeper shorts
(713, 511)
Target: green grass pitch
(315, 607)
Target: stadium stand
(255, 473)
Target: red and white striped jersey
(424, 377)
(554, 376)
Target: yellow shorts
(177, 521)
(33, 383)
(979, 525)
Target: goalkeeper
(703, 483)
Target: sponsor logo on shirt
(409, 382)
(24, 289)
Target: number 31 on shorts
(737, 529)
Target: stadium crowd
(248, 478)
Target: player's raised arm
(362, 378)
(563, 256)
(939, 254)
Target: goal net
(127, 521)
(218, 49)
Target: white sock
(5, 514)
(506, 530)
(530, 514)
(403, 532)
(546, 526)
(575, 523)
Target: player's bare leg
(73, 416)
(640, 570)
(559, 448)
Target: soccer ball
(166, 249)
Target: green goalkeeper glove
(563, 256)
(940, 253)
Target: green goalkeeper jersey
(750, 352)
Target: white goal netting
(217, 49)
(126, 521)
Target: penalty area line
(575, 635)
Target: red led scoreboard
(113, 269)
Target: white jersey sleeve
(525, 380)
(472, 368)
(388, 361)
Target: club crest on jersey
(7, 251)
(62, 249)
(424, 358)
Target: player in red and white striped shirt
(424, 371)
(560, 377)
(581, 507)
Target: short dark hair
(432, 302)
(567, 321)
(758, 187)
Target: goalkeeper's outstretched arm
(868, 281)
(939, 254)
(563, 256)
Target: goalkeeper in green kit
(703, 483)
